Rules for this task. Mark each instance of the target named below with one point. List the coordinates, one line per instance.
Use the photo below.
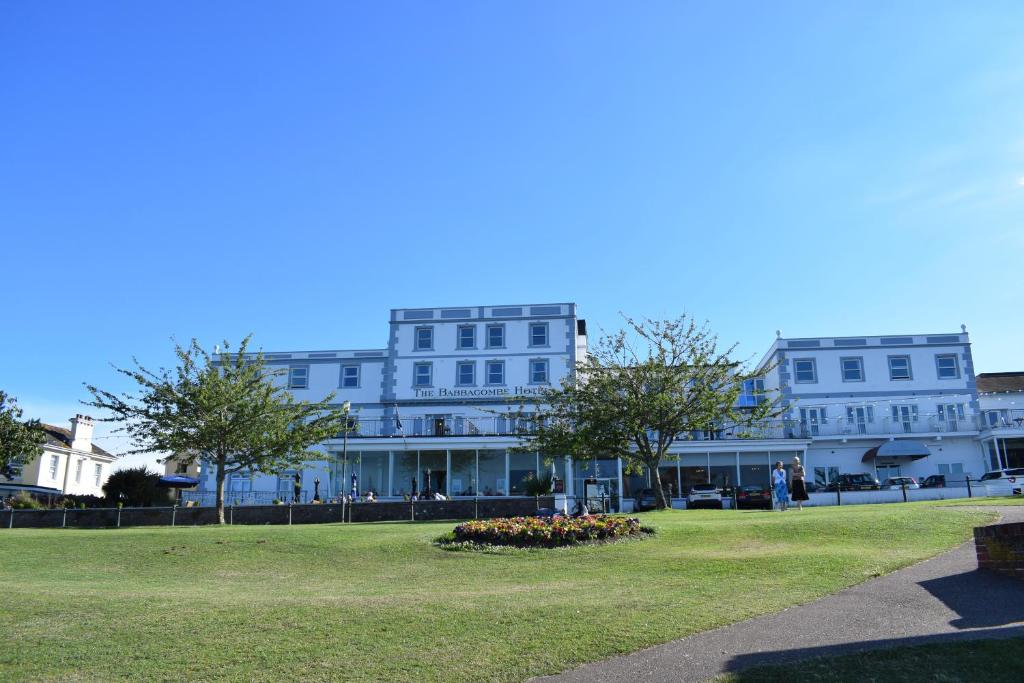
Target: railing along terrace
(442, 426)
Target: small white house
(70, 463)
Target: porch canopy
(915, 450)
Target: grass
(381, 602)
(993, 661)
(985, 502)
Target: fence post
(412, 510)
(10, 522)
(289, 514)
(839, 496)
(174, 510)
(343, 509)
(969, 486)
(64, 519)
(903, 485)
(476, 507)
(231, 514)
(118, 516)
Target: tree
(639, 391)
(135, 487)
(21, 442)
(225, 410)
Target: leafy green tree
(135, 487)
(639, 391)
(21, 442)
(225, 410)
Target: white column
(619, 468)
(738, 482)
(448, 474)
(391, 473)
(570, 477)
(508, 488)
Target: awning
(177, 481)
(898, 449)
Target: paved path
(944, 598)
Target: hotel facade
(434, 411)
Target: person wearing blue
(779, 487)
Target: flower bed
(546, 532)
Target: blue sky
(294, 170)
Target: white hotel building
(429, 411)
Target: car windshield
(991, 475)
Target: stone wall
(1000, 548)
(427, 510)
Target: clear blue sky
(294, 170)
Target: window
(904, 417)
(811, 420)
(54, 466)
(495, 336)
(996, 418)
(350, 376)
(298, 377)
(805, 370)
(98, 473)
(423, 375)
(78, 470)
(467, 337)
(947, 366)
(424, 339)
(951, 414)
(539, 371)
(852, 368)
(899, 367)
(823, 476)
(860, 417)
(495, 372)
(538, 334)
(465, 373)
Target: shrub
(545, 532)
(24, 501)
(134, 487)
(537, 486)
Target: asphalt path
(942, 599)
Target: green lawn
(993, 661)
(986, 501)
(374, 602)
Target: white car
(897, 483)
(1004, 482)
(704, 495)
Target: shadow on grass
(752, 667)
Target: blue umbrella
(177, 481)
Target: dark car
(757, 497)
(647, 499)
(935, 481)
(854, 482)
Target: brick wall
(427, 510)
(1000, 548)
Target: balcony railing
(778, 429)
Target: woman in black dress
(798, 489)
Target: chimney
(81, 433)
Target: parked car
(898, 483)
(1008, 482)
(704, 495)
(753, 497)
(860, 481)
(647, 499)
(934, 481)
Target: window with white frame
(97, 474)
(899, 368)
(298, 377)
(859, 417)
(538, 334)
(495, 336)
(78, 470)
(904, 416)
(947, 366)
(951, 415)
(423, 375)
(495, 372)
(997, 418)
(350, 376)
(424, 339)
(465, 373)
(467, 337)
(852, 369)
(811, 420)
(805, 370)
(54, 466)
(539, 371)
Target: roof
(60, 437)
(1000, 381)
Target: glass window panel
(495, 372)
(492, 473)
(373, 473)
(538, 334)
(406, 466)
(495, 336)
(669, 477)
(467, 337)
(463, 476)
(467, 374)
(350, 376)
(520, 466)
(433, 474)
(804, 370)
(423, 375)
(424, 338)
(539, 371)
(754, 469)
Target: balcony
(441, 427)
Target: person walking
(798, 487)
(779, 486)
